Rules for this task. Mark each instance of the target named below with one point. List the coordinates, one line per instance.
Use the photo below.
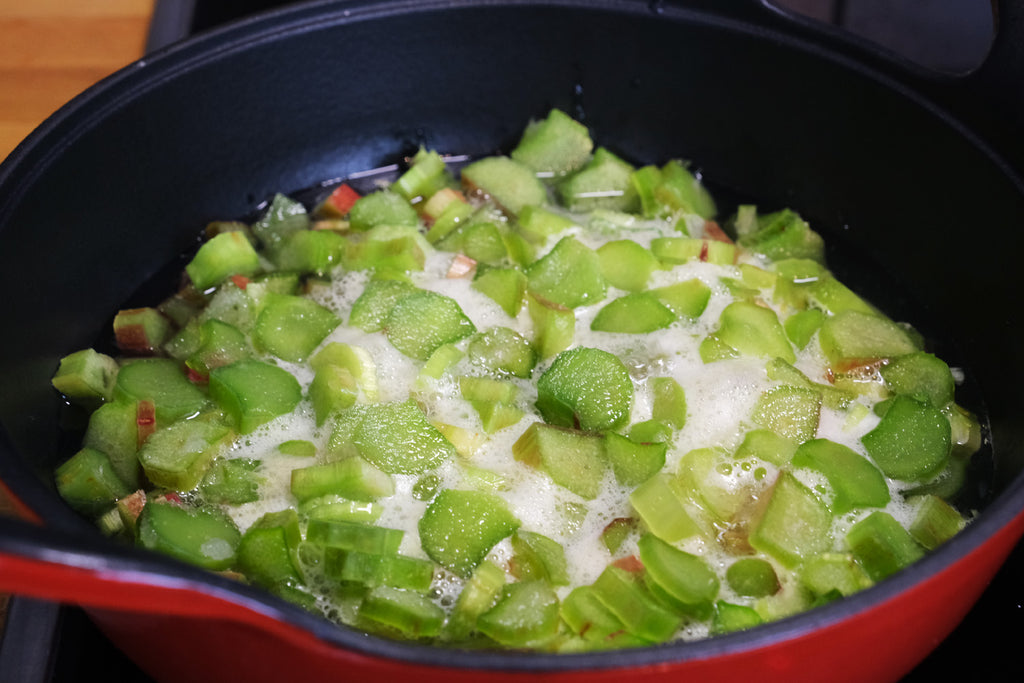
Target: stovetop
(47, 643)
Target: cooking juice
(551, 400)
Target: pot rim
(33, 155)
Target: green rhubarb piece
(588, 617)
(503, 351)
(511, 184)
(455, 214)
(568, 275)
(300, 448)
(495, 415)
(802, 325)
(585, 388)
(333, 389)
(793, 524)
(231, 481)
(334, 508)
(837, 398)
(232, 304)
(554, 146)
(420, 323)
(440, 362)
(626, 265)
(703, 474)
(766, 445)
(178, 456)
(283, 217)
(921, 376)
(374, 569)
(635, 313)
(483, 242)
(729, 617)
(668, 401)
(752, 577)
(831, 573)
(574, 460)
(88, 483)
(86, 376)
(478, 595)
(853, 336)
(506, 286)
(686, 299)
(791, 412)
(291, 327)
(537, 557)
(427, 174)
(754, 331)
(400, 252)
(459, 528)
(355, 359)
(381, 208)
(398, 438)
(219, 344)
(537, 224)
(314, 252)
(650, 431)
(935, 522)
(782, 235)
(353, 478)
(141, 330)
(881, 545)
(268, 550)
(411, 613)
(113, 429)
(346, 535)
(371, 310)
(673, 251)
(713, 349)
(633, 462)
(554, 326)
(163, 382)
(676, 189)
(911, 442)
(685, 578)
(855, 482)
(493, 400)
(525, 615)
(253, 392)
(227, 254)
(623, 593)
(205, 537)
(662, 510)
(602, 183)
(617, 531)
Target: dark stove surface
(46, 643)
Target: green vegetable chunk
(911, 442)
(459, 528)
(585, 388)
(420, 323)
(855, 482)
(398, 438)
(253, 392)
(202, 536)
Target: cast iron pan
(914, 181)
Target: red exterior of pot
(880, 643)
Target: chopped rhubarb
(341, 200)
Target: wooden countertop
(51, 50)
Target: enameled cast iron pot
(914, 180)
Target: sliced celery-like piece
(202, 536)
(662, 511)
(526, 615)
(554, 146)
(855, 482)
(459, 528)
(626, 265)
(568, 275)
(88, 483)
(635, 313)
(633, 462)
(178, 456)
(86, 376)
(422, 322)
(752, 577)
(585, 388)
(351, 477)
(911, 442)
(409, 612)
(381, 208)
(574, 460)
(881, 545)
(511, 184)
(537, 557)
(793, 525)
(254, 392)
